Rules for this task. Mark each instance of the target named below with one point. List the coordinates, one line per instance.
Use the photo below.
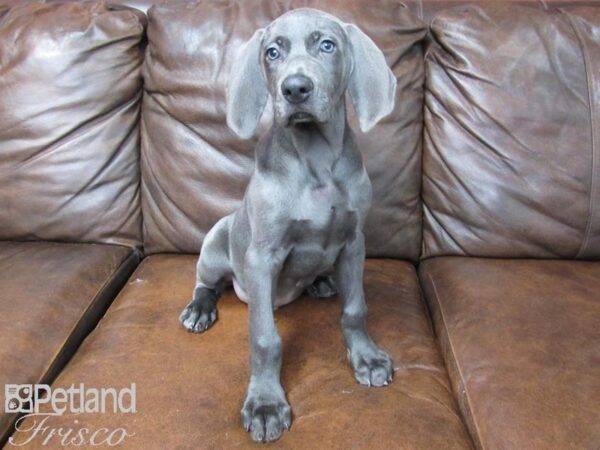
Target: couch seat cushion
(51, 295)
(190, 388)
(521, 339)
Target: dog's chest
(323, 214)
(323, 220)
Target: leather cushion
(427, 9)
(190, 387)
(70, 90)
(195, 170)
(51, 296)
(521, 339)
(511, 164)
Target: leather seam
(97, 294)
(593, 181)
(4, 436)
(456, 362)
(124, 262)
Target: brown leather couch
(482, 278)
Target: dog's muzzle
(296, 89)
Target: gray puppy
(303, 213)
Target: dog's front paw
(198, 318)
(266, 414)
(372, 366)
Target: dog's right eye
(272, 53)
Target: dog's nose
(296, 88)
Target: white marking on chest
(319, 202)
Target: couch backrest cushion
(511, 164)
(70, 91)
(195, 170)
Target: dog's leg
(211, 272)
(266, 412)
(322, 287)
(372, 366)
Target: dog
(300, 224)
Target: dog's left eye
(272, 53)
(327, 46)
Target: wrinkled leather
(521, 340)
(70, 90)
(195, 170)
(190, 387)
(427, 9)
(510, 168)
(423, 9)
(51, 296)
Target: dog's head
(305, 60)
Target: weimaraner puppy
(303, 212)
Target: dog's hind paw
(322, 287)
(197, 318)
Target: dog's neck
(320, 145)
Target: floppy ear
(247, 89)
(372, 84)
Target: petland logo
(31, 399)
